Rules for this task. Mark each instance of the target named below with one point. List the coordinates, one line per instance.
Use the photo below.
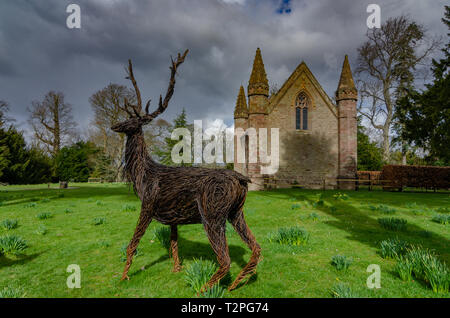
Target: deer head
(137, 119)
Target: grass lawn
(346, 226)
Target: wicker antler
(136, 109)
(164, 103)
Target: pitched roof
(302, 68)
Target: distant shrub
(393, 248)
(162, 235)
(30, 205)
(393, 224)
(9, 224)
(68, 211)
(295, 206)
(41, 230)
(295, 236)
(98, 221)
(333, 209)
(60, 195)
(99, 203)
(45, 200)
(216, 291)
(198, 273)
(128, 208)
(441, 218)
(44, 215)
(12, 244)
(313, 216)
(342, 290)
(341, 262)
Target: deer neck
(137, 160)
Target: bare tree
(390, 55)
(4, 108)
(107, 112)
(52, 122)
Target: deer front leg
(144, 220)
(174, 248)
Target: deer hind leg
(218, 241)
(214, 224)
(246, 235)
(144, 221)
(174, 248)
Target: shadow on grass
(364, 228)
(19, 260)
(36, 195)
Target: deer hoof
(177, 269)
(124, 277)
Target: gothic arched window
(301, 111)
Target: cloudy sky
(39, 53)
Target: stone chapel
(317, 136)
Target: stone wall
(307, 157)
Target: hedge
(416, 176)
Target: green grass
(341, 262)
(12, 244)
(294, 236)
(44, 215)
(393, 248)
(9, 224)
(216, 291)
(198, 273)
(345, 227)
(162, 236)
(393, 224)
(98, 221)
(441, 218)
(11, 292)
(342, 290)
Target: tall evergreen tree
(74, 162)
(165, 152)
(18, 164)
(370, 156)
(425, 115)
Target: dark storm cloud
(39, 53)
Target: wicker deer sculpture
(182, 195)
